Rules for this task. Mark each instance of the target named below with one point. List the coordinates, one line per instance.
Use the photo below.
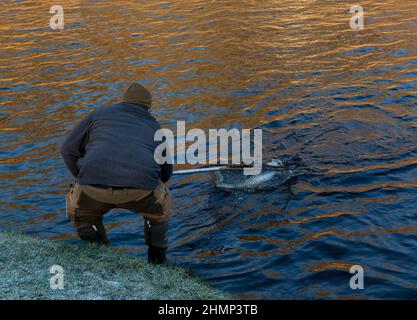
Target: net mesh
(235, 180)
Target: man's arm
(166, 168)
(166, 172)
(73, 147)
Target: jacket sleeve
(166, 172)
(166, 168)
(73, 147)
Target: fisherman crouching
(111, 155)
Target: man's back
(116, 145)
(111, 153)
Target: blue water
(340, 105)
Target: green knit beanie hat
(137, 94)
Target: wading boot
(156, 238)
(158, 256)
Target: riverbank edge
(90, 272)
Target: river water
(340, 104)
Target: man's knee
(161, 205)
(86, 215)
(92, 232)
(155, 206)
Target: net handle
(210, 169)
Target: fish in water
(267, 179)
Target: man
(111, 154)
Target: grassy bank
(90, 272)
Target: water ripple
(339, 104)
